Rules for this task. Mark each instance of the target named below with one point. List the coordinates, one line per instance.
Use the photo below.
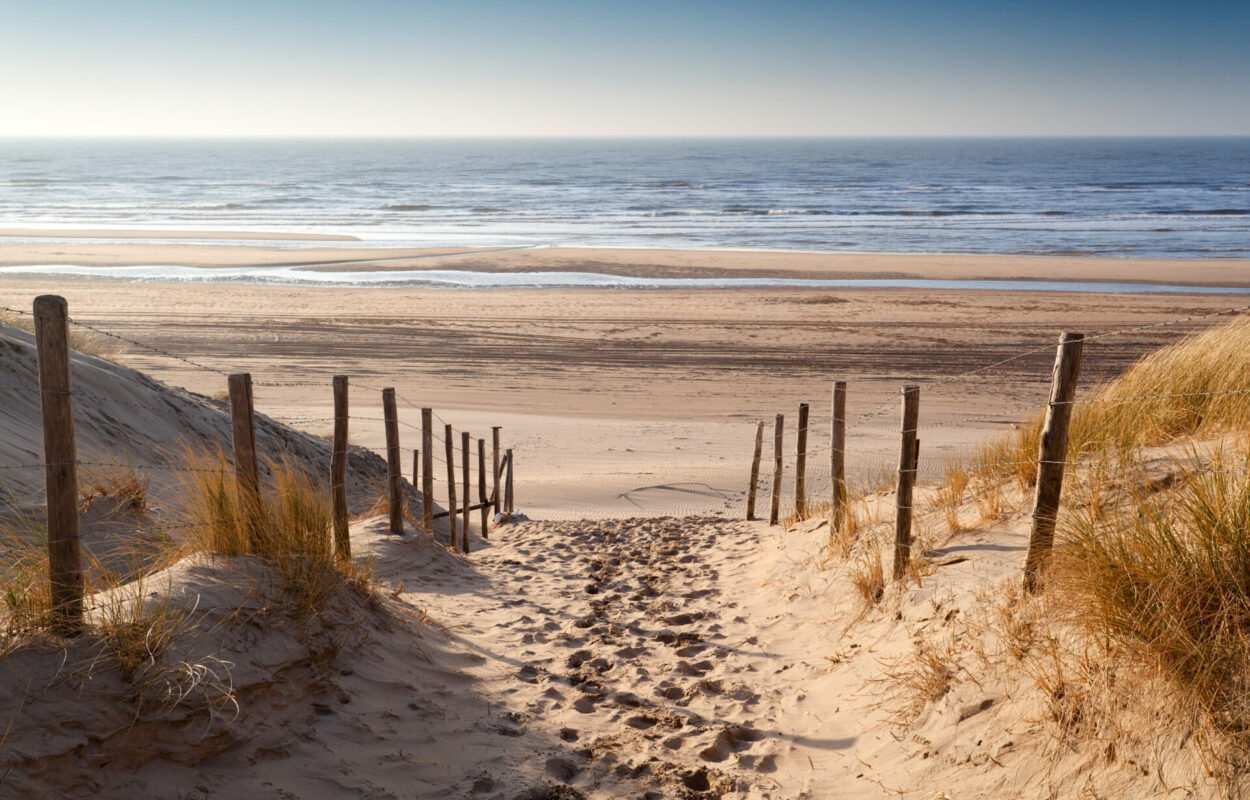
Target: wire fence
(702, 475)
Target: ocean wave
(407, 207)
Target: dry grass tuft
(1167, 583)
(868, 576)
(126, 486)
(80, 339)
(290, 528)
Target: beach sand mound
(128, 422)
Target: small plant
(868, 576)
(950, 494)
(125, 486)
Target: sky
(624, 68)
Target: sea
(1178, 198)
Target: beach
(617, 401)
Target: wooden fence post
(774, 514)
(1052, 456)
(338, 470)
(394, 473)
(243, 439)
(60, 457)
(466, 455)
(906, 481)
(494, 438)
(508, 498)
(427, 469)
(800, 465)
(450, 446)
(755, 470)
(416, 469)
(837, 459)
(481, 487)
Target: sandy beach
(620, 401)
(630, 635)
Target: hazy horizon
(385, 68)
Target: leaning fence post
(466, 444)
(427, 469)
(338, 470)
(394, 475)
(906, 480)
(508, 485)
(243, 439)
(755, 470)
(450, 446)
(60, 458)
(775, 513)
(481, 487)
(800, 465)
(1051, 457)
(494, 439)
(837, 459)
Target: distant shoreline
(155, 251)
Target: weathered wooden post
(60, 457)
(1052, 456)
(755, 470)
(243, 439)
(450, 447)
(494, 438)
(800, 466)
(837, 459)
(416, 469)
(775, 513)
(906, 481)
(466, 445)
(427, 469)
(394, 474)
(338, 470)
(481, 488)
(508, 498)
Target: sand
(632, 262)
(655, 656)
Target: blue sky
(383, 67)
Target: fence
(709, 480)
(51, 325)
(1051, 460)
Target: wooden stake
(906, 481)
(60, 457)
(755, 470)
(427, 469)
(481, 487)
(800, 465)
(243, 438)
(508, 485)
(416, 469)
(338, 470)
(494, 438)
(1051, 457)
(394, 474)
(466, 455)
(774, 514)
(450, 447)
(837, 459)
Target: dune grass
(80, 339)
(1167, 579)
(1199, 386)
(290, 528)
